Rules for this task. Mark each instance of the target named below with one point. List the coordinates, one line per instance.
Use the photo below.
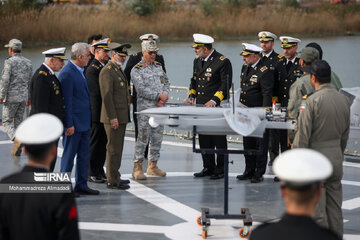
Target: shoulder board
(222, 58)
(305, 97)
(280, 56)
(95, 66)
(109, 66)
(43, 73)
(139, 65)
(157, 63)
(263, 68)
(135, 54)
(159, 54)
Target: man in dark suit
(257, 82)
(301, 187)
(77, 117)
(97, 134)
(115, 113)
(212, 77)
(132, 61)
(271, 58)
(38, 215)
(45, 89)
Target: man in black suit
(98, 137)
(212, 78)
(256, 82)
(43, 215)
(132, 61)
(45, 89)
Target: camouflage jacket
(16, 78)
(149, 81)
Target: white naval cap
(201, 39)
(288, 42)
(149, 36)
(265, 36)
(103, 43)
(56, 53)
(249, 48)
(300, 167)
(41, 128)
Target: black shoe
(205, 172)
(257, 179)
(217, 176)
(124, 181)
(244, 176)
(87, 191)
(118, 186)
(96, 179)
(276, 179)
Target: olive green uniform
(323, 125)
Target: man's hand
(160, 103)
(114, 124)
(70, 131)
(163, 97)
(210, 104)
(1, 101)
(189, 100)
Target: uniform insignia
(254, 79)
(222, 58)
(302, 107)
(57, 92)
(109, 67)
(122, 84)
(135, 54)
(263, 68)
(44, 73)
(139, 65)
(157, 63)
(208, 70)
(280, 56)
(95, 66)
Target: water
(341, 53)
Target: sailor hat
(149, 46)
(149, 36)
(15, 44)
(41, 128)
(288, 42)
(201, 40)
(301, 168)
(56, 53)
(104, 44)
(249, 49)
(120, 48)
(265, 36)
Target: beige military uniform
(323, 125)
(115, 105)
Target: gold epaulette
(95, 66)
(43, 73)
(139, 65)
(222, 58)
(264, 68)
(157, 63)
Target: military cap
(265, 36)
(104, 44)
(249, 49)
(41, 128)
(321, 69)
(120, 48)
(309, 54)
(15, 44)
(149, 36)
(201, 40)
(56, 53)
(149, 46)
(302, 168)
(288, 42)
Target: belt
(326, 144)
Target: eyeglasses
(152, 52)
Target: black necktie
(248, 70)
(288, 66)
(265, 58)
(202, 63)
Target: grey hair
(47, 59)
(79, 49)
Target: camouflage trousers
(148, 134)
(12, 116)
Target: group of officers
(266, 79)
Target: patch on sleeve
(302, 107)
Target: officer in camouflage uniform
(272, 59)
(257, 82)
(152, 86)
(97, 133)
(14, 90)
(324, 125)
(212, 77)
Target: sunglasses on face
(152, 52)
